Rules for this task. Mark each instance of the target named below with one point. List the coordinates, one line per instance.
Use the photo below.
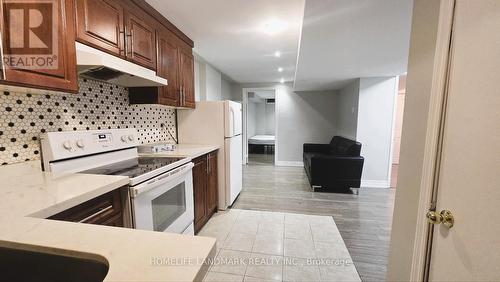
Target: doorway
(259, 128)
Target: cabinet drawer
(96, 211)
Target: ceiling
(345, 39)
(265, 94)
(261, 96)
(232, 35)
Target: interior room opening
(261, 127)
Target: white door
(469, 174)
(234, 173)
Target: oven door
(165, 203)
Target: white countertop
(185, 150)
(28, 195)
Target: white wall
(305, 117)
(347, 110)
(197, 81)
(252, 119)
(213, 84)
(375, 128)
(210, 83)
(226, 88)
(260, 113)
(261, 118)
(270, 119)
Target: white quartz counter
(28, 195)
(185, 150)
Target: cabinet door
(187, 78)
(140, 39)
(99, 23)
(212, 189)
(47, 51)
(168, 68)
(199, 191)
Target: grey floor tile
(222, 277)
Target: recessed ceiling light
(280, 69)
(274, 26)
(282, 80)
(277, 54)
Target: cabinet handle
(208, 164)
(124, 49)
(129, 39)
(125, 42)
(101, 211)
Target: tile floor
(364, 220)
(277, 246)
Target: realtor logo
(30, 34)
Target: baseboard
(375, 184)
(289, 163)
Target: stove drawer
(103, 210)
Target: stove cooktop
(134, 167)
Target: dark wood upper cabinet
(187, 78)
(140, 39)
(175, 63)
(119, 28)
(58, 70)
(168, 68)
(130, 29)
(100, 23)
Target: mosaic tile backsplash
(98, 105)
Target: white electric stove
(161, 188)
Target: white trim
(384, 184)
(289, 163)
(438, 88)
(244, 108)
(301, 25)
(394, 114)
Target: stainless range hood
(99, 65)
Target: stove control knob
(67, 145)
(131, 138)
(80, 144)
(124, 138)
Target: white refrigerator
(218, 123)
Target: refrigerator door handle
(231, 122)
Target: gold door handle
(445, 217)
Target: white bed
(262, 140)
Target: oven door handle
(168, 176)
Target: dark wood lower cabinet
(199, 191)
(106, 209)
(212, 189)
(205, 189)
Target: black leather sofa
(334, 167)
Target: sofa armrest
(316, 148)
(344, 167)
